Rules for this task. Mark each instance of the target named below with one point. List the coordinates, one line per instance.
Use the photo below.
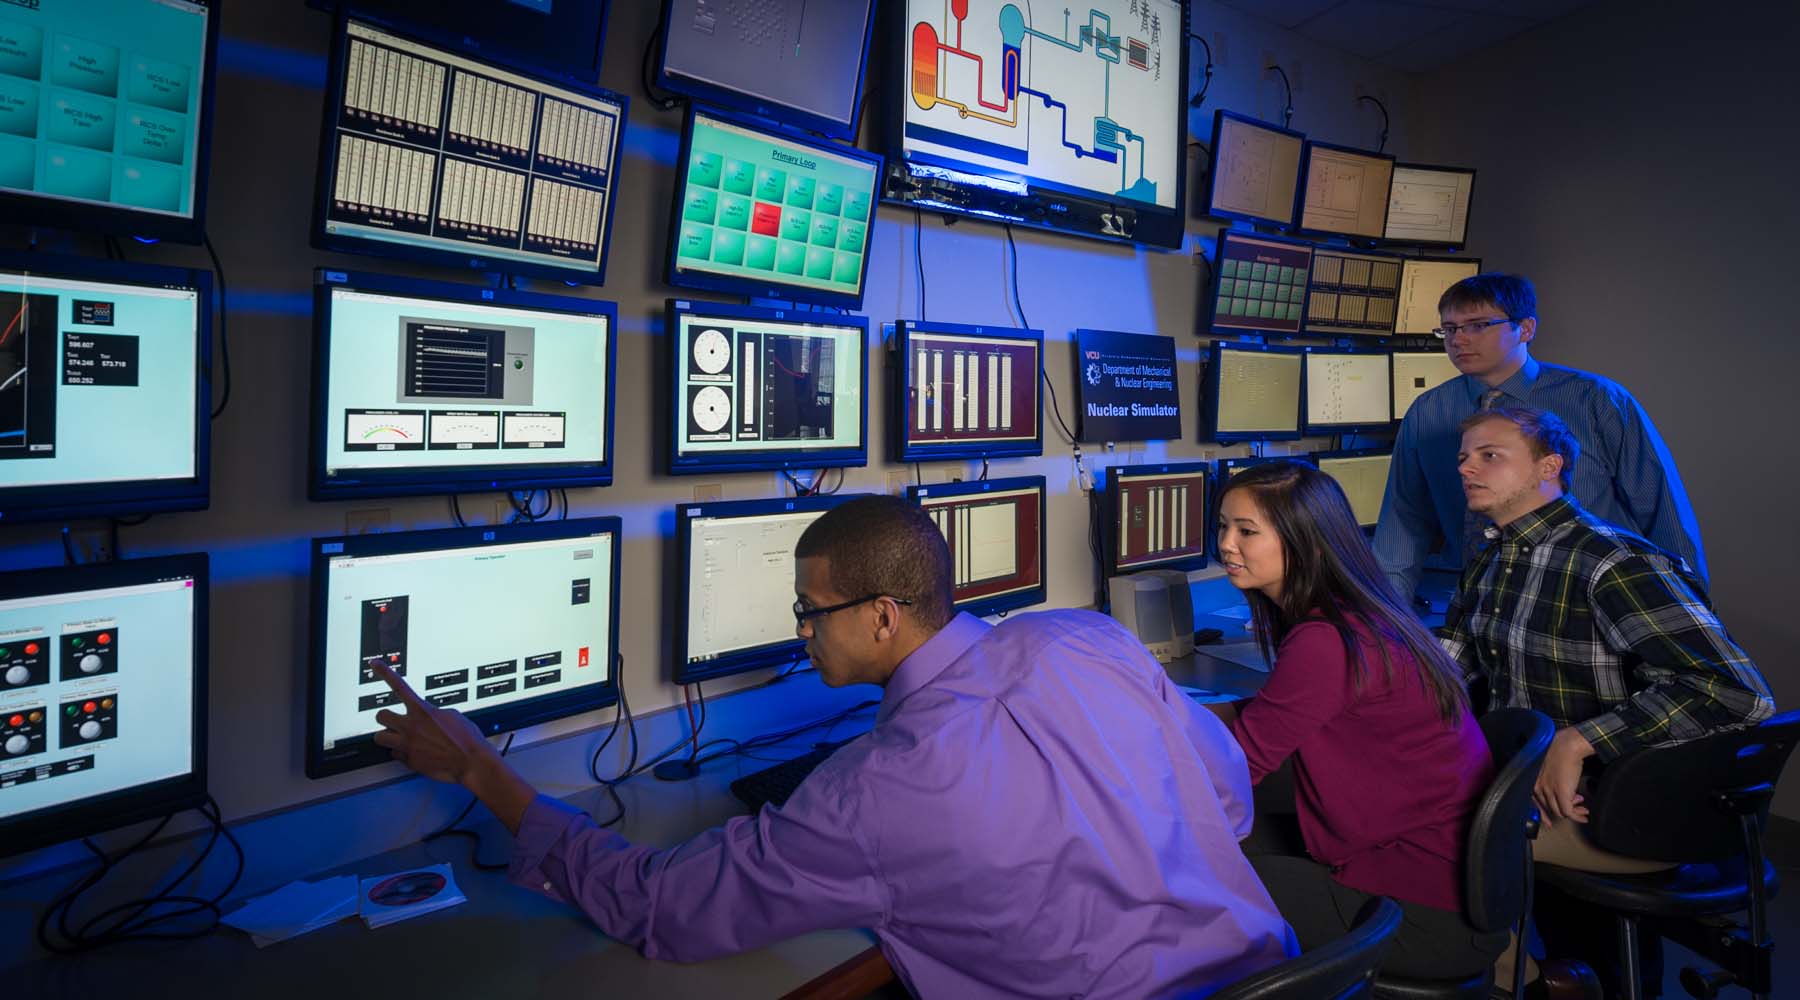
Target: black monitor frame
(1307, 319)
(1213, 377)
(468, 256)
(144, 496)
(1218, 277)
(1434, 244)
(585, 72)
(1041, 204)
(723, 97)
(774, 459)
(448, 478)
(900, 370)
(31, 209)
(125, 806)
(681, 586)
(363, 751)
(1306, 152)
(1311, 351)
(981, 607)
(1212, 173)
(752, 287)
(1115, 496)
(1319, 456)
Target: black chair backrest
(1661, 802)
(1495, 873)
(1341, 970)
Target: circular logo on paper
(404, 890)
(1093, 373)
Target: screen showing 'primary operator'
(469, 628)
(96, 692)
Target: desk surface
(503, 942)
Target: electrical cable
(665, 103)
(1019, 306)
(919, 257)
(450, 829)
(224, 341)
(1384, 119)
(1206, 80)
(1287, 112)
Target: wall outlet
(708, 491)
(897, 482)
(503, 510)
(367, 521)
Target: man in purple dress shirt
(1037, 812)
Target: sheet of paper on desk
(1236, 612)
(388, 899)
(295, 909)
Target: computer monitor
(102, 697)
(768, 213)
(1255, 172)
(1345, 191)
(430, 387)
(106, 114)
(1074, 122)
(965, 391)
(1352, 293)
(996, 531)
(796, 62)
(1259, 284)
(105, 392)
(431, 154)
(1347, 390)
(565, 37)
(734, 586)
(510, 624)
(1255, 392)
(1363, 475)
(765, 388)
(1416, 373)
(1424, 280)
(1156, 517)
(1429, 206)
(1229, 467)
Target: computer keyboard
(774, 785)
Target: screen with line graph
(102, 387)
(424, 387)
(1068, 117)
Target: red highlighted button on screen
(766, 221)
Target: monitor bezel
(1318, 456)
(361, 752)
(68, 502)
(585, 72)
(1312, 350)
(1214, 375)
(1212, 172)
(681, 585)
(32, 209)
(1109, 530)
(471, 258)
(1155, 225)
(1394, 397)
(1359, 251)
(1406, 262)
(1218, 276)
(752, 287)
(438, 480)
(776, 460)
(900, 372)
(1468, 214)
(1306, 151)
(723, 97)
(999, 604)
(122, 807)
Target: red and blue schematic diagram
(1081, 96)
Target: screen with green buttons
(768, 213)
(1259, 284)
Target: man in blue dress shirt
(1627, 476)
(1038, 811)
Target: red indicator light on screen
(104, 638)
(31, 649)
(17, 720)
(393, 657)
(581, 657)
(90, 707)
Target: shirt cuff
(1610, 735)
(538, 863)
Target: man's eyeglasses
(1449, 330)
(804, 614)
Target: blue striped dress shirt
(1624, 475)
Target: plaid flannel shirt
(1600, 630)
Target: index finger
(400, 687)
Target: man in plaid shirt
(1593, 626)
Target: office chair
(1341, 970)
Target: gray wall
(1637, 161)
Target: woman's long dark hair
(1331, 573)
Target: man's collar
(1532, 528)
(1517, 385)
(924, 664)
